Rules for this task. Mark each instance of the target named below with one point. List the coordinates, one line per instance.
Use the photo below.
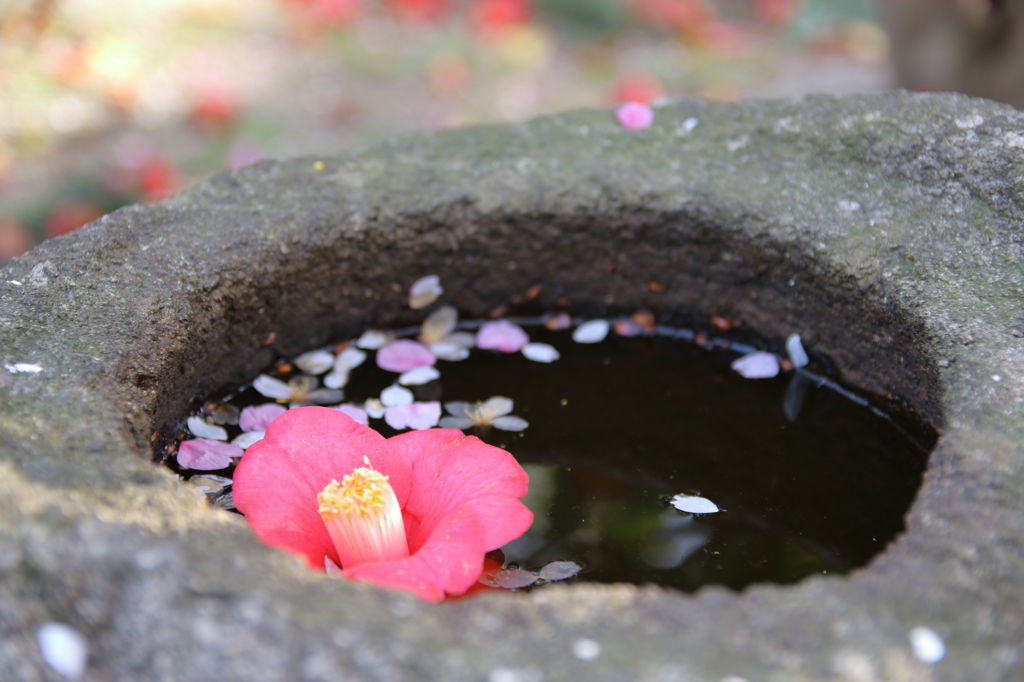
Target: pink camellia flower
(416, 416)
(403, 355)
(206, 454)
(259, 417)
(635, 116)
(416, 512)
(501, 335)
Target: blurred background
(108, 102)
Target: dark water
(618, 427)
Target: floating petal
(246, 439)
(337, 378)
(540, 352)
(510, 423)
(593, 331)
(206, 455)
(403, 355)
(758, 365)
(512, 579)
(796, 351)
(635, 115)
(424, 291)
(691, 504)
(501, 335)
(315, 361)
(558, 322)
(272, 388)
(200, 429)
(559, 570)
(416, 416)
(374, 408)
(452, 352)
(373, 339)
(456, 423)
(396, 396)
(418, 376)
(259, 417)
(350, 358)
(438, 325)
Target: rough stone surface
(886, 229)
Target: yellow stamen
(363, 518)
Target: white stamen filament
(363, 518)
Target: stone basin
(885, 229)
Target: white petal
(586, 649)
(759, 365)
(455, 423)
(332, 569)
(593, 331)
(927, 645)
(64, 649)
(271, 387)
(560, 570)
(245, 439)
(796, 351)
(336, 378)
(449, 351)
(23, 367)
(350, 358)
(315, 361)
(418, 376)
(395, 396)
(374, 408)
(373, 339)
(424, 291)
(540, 352)
(691, 504)
(458, 408)
(510, 423)
(461, 339)
(200, 429)
(438, 325)
(496, 407)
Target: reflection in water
(676, 537)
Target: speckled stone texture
(885, 229)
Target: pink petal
(501, 335)
(403, 355)
(634, 115)
(206, 454)
(278, 479)
(357, 413)
(759, 365)
(415, 416)
(259, 417)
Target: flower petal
(350, 358)
(324, 396)
(418, 376)
(510, 423)
(424, 291)
(277, 482)
(758, 365)
(402, 355)
(416, 416)
(501, 335)
(592, 331)
(374, 408)
(206, 455)
(439, 324)
(456, 423)
(693, 504)
(458, 408)
(357, 413)
(272, 388)
(259, 417)
(449, 351)
(315, 361)
(200, 429)
(373, 339)
(635, 115)
(540, 352)
(496, 407)
(246, 439)
(395, 396)
(337, 378)
(795, 350)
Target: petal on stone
(456, 423)
(758, 365)
(496, 407)
(402, 355)
(315, 361)
(418, 376)
(510, 423)
(501, 335)
(635, 115)
(272, 388)
(559, 570)
(277, 482)
(246, 439)
(540, 352)
(424, 291)
(357, 413)
(692, 504)
(396, 396)
(795, 350)
(416, 416)
(204, 454)
(438, 325)
(200, 429)
(592, 331)
(373, 339)
(63, 648)
(259, 417)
